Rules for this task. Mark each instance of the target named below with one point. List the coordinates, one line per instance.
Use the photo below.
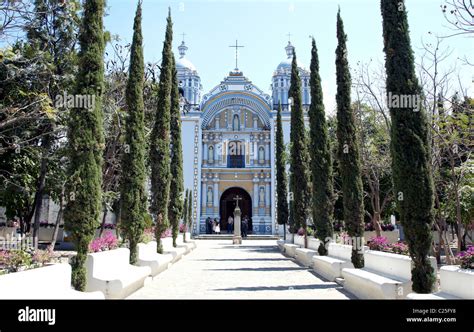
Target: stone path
(216, 269)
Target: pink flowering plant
(15, 260)
(466, 258)
(167, 233)
(41, 257)
(107, 242)
(182, 228)
(399, 248)
(379, 243)
(4, 256)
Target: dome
(285, 64)
(183, 63)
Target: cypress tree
(282, 179)
(160, 140)
(321, 165)
(175, 208)
(410, 145)
(185, 213)
(300, 176)
(349, 157)
(86, 141)
(189, 220)
(132, 193)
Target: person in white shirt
(218, 227)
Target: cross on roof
(183, 34)
(236, 46)
(289, 36)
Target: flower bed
(167, 233)
(466, 258)
(17, 260)
(381, 243)
(108, 241)
(392, 236)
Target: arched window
(236, 123)
(210, 155)
(236, 155)
(261, 155)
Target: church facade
(229, 143)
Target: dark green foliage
(160, 140)
(185, 212)
(348, 153)
(185, 206)
(189, 220)
(175, 208)
(410, 145)
(300, 175)
(281, 177)
(86, 141)
(32, 74)
(321, 165)
(133, 196)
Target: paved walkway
(216, 269)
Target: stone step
(229, 237)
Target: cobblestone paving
(216, 269)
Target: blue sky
(263, 27)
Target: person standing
(208, 225)
(230, 225)
(215, 225)
(244, 227)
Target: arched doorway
(227, 206)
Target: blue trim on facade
(250, 101)
(262, 229)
